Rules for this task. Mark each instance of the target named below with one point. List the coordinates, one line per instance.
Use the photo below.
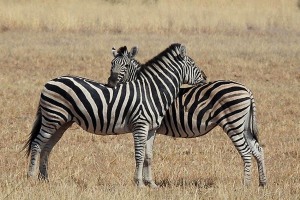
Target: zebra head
(192, 74)
(126, 68)
(122, 66)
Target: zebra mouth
(202, 82)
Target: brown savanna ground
(252, 42)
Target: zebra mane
(172, 47)
(136, 62)
(122, 50)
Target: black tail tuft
(253, 119)
(34, 132)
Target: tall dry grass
(149, 16)
(253, 42)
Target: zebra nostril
(114, 76)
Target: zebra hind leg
(258, 153)
(36, 147)
(44, 156)
(240, 142)
(247, 167)
(33, 148)
(34, 155)
(254, 149)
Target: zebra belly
(109, 129)
(185, 128)
(184, 120)
(104, 124)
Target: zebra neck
(161, 89)
(166, 68)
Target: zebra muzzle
(112, 80)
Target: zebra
(199, 109)
(102, 110)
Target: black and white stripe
(102, 110)
(199, 109)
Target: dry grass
(160, 16)
(254, 43)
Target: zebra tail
(254, 128)
(34, 132)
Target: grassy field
(254, 42)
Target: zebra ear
(133, 52)
(114, 52)
(182, 51)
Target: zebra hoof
(29, 175)
(153, 186)
(43, 177)
(140, 184)
(262, 184)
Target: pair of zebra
(145, 106)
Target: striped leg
(43, 169)
(45, 126)
(33, 149)
(148, 160)
(139, 136)
(43, 174)
(37, 147)
(247, 167)
(258, 154)
(244, 150)
(236, 133)
(251, 147)
(34, 155)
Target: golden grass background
(254, 42)
(151, 16)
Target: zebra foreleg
(148, 160)
(139, 136)
(43, 169)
